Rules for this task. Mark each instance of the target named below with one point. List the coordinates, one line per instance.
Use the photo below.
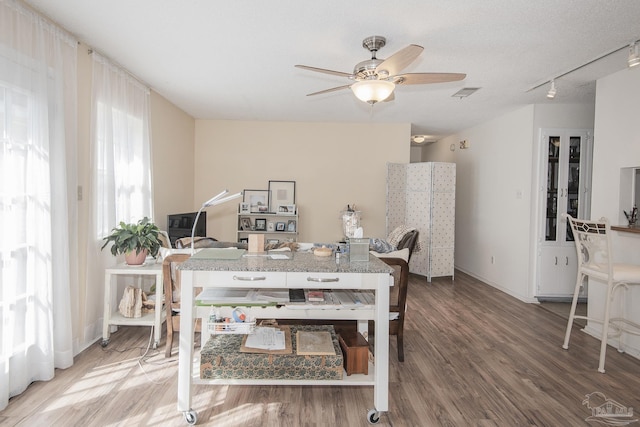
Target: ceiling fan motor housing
(366, 70)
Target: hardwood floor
(474, 356)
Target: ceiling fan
(375, 79)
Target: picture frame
(282, 193)
(258, 200)
(273, 241)
(280, 226)
(244, 207)
(261, 224)
(291, 225)
(287, 209)
(244, 240)
(271, 226)
(245, 224)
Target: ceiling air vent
(464, 92)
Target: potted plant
(135, 241)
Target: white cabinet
(280, 227)
(423, 196)
(565, 187)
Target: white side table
(113, 318)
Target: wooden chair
(171, 279)
(409, 240)
(397, 302)
(595, 260)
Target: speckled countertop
(298, 262)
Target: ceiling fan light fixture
(552, 91)
(634, 57)
(372, 91)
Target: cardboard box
(256, 243)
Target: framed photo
(287, 209)
(261, 224)
(283, 193)
(245, 224)
(291, 225)
(280, 226)
(271, 226)
(244, 207)
(273, 241)
(258, 200)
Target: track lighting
(552, 91)
(634, 58)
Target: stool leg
(605, 326)
(572, 314)
(623, 313)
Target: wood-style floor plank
(474, 356)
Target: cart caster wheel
(373, 417)
(104, 343)
(191, 417)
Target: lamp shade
(372, 91)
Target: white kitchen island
(300, 270)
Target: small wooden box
(256, 243)
(356, 353)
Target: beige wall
(333, 164)
(172, 150)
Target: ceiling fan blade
(400, 60)
(322, 70)
(425, 78)
(333, 89)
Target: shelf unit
(113, 318)
(270, 220)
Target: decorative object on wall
(283, 194)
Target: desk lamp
(215, 200)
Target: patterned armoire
(423, 196)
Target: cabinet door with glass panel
(565, 187)
(568, 180)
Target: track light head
(634, 57)
(552, 91)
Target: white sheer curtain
(121, 168)
(37, 198)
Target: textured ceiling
(235, 59)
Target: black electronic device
(180, 225)
(296, 295)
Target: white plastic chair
(595, 260)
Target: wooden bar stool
(595, 260)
